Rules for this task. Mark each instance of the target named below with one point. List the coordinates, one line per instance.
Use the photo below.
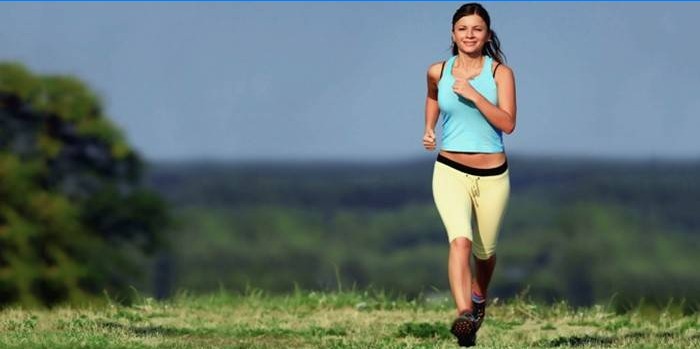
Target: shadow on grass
(154, 330)
(241, 331)
(424, 330)
(579, 341)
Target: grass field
(349, 319)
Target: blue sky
(346, 80)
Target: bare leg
(484, 271)
(460, 274)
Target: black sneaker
(479, 313)
(464, 328)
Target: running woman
(474, 93)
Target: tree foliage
(72, 208)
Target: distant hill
(665, 190)
(583, 230)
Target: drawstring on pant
(474, 189)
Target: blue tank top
(464, 127)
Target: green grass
(350, 319)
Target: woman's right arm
(432, 110)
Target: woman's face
(470, 34)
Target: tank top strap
(449, 65)
(486, 68)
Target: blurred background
(159, 147)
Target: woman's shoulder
(500, 68)
(502, 73)
(435, 70)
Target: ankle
(477, 298)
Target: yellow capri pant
(471, 202)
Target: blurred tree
(73, 211)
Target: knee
(484, 255)
(461, 243)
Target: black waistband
(471, 170)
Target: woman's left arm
(501, 116)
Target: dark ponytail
(493, 47)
